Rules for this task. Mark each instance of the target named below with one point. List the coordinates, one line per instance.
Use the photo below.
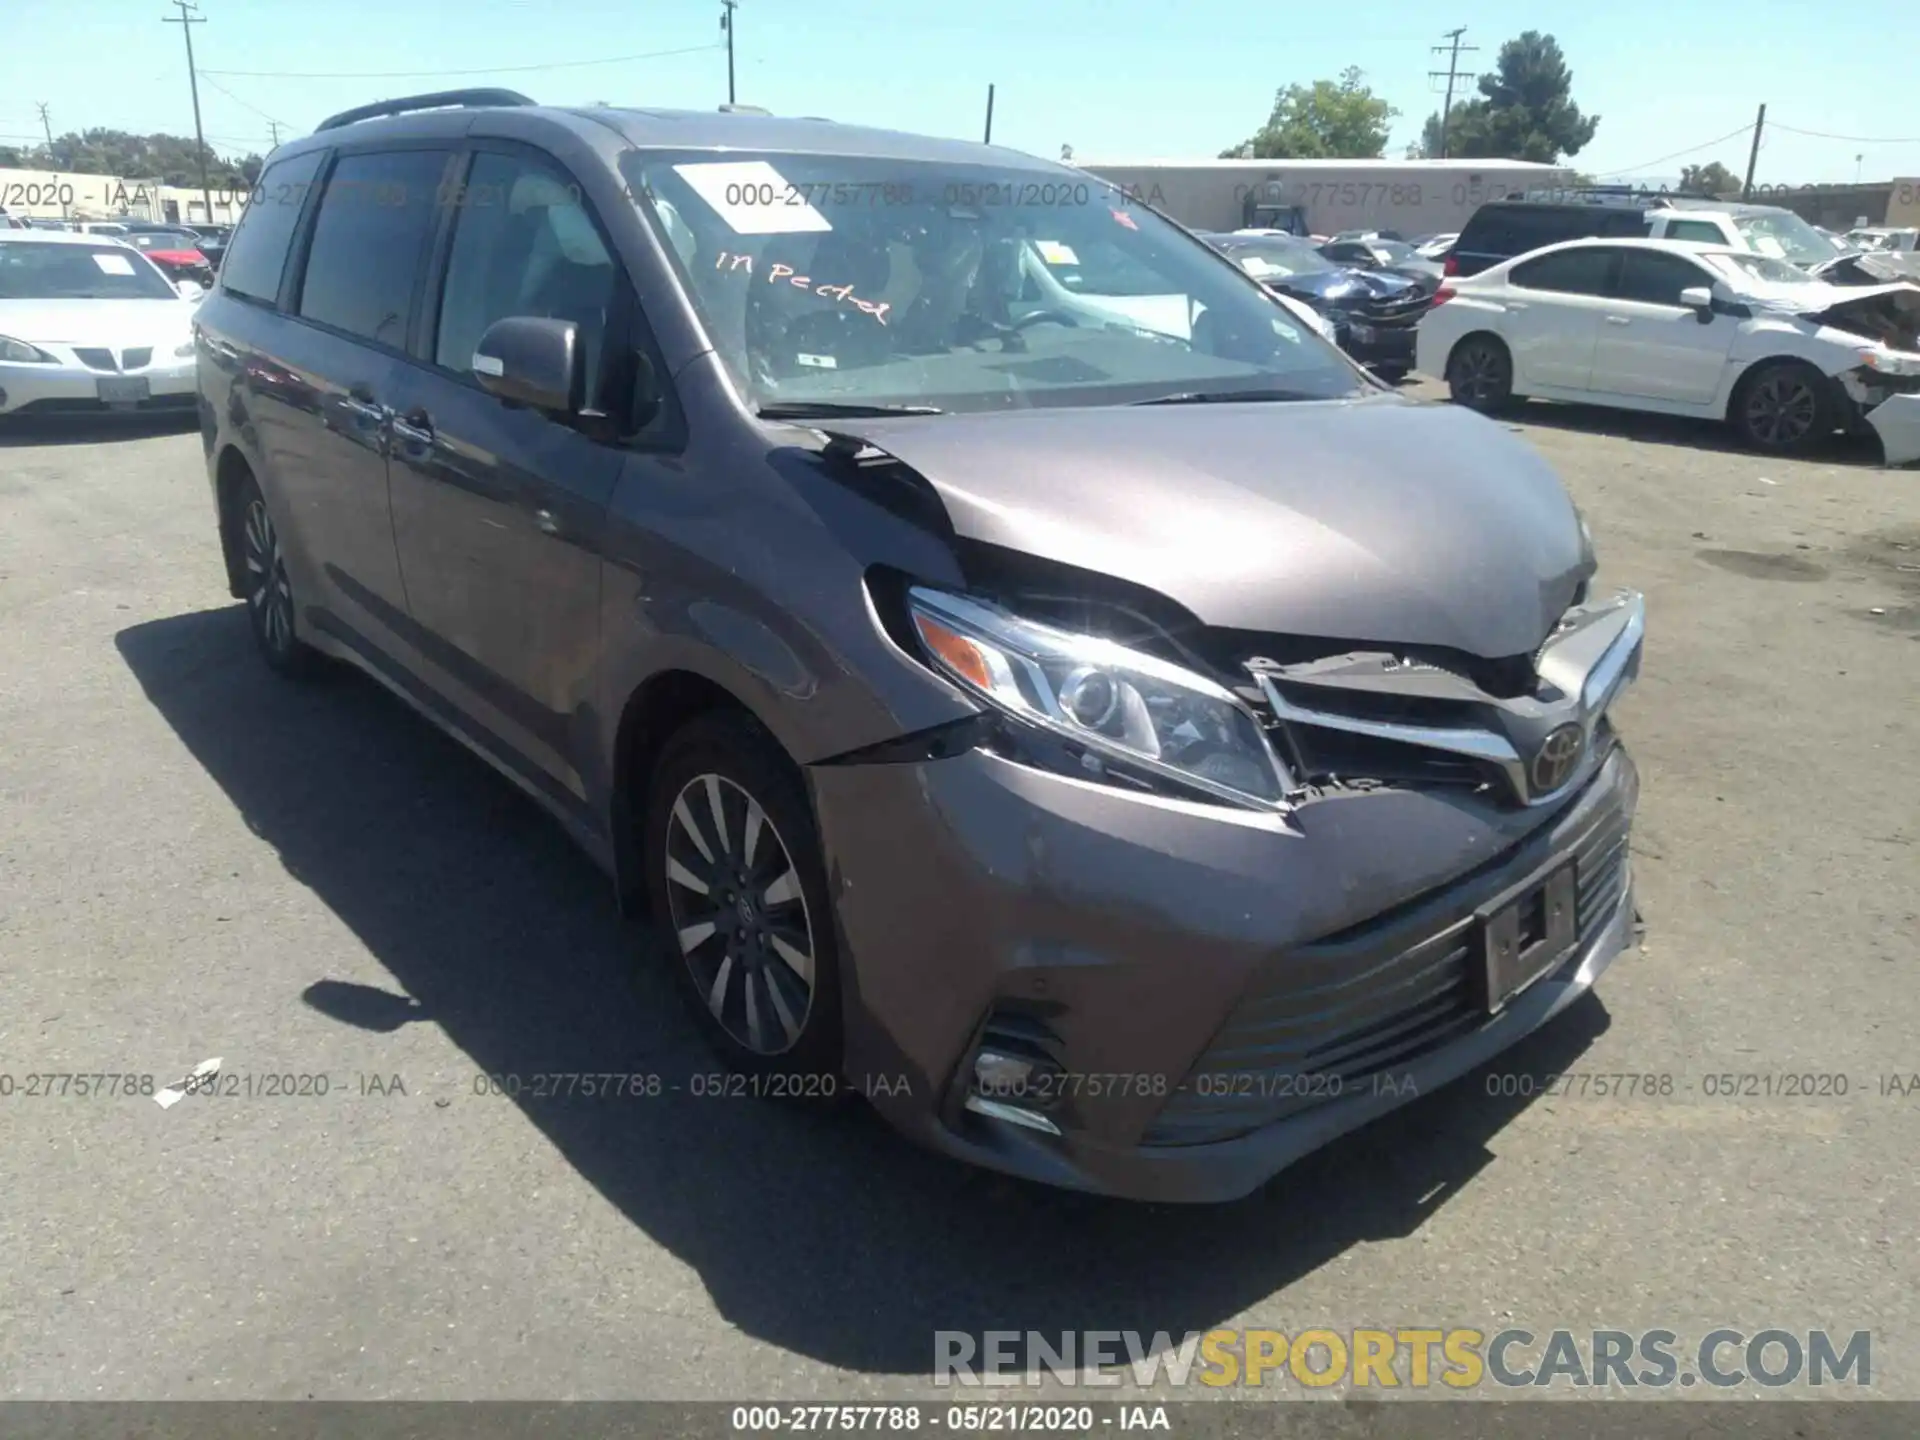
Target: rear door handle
(1516, 305)
(1618, 320)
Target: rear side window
(369, 238)
(1585, 271)
(258, 255)
(1655, 278)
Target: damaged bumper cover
(1890, 408)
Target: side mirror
(190, 289)
(529, 360)
(1699, 299)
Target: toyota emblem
(1557, 758)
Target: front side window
(37, 270)
(524, 244)
(257, 255)
(1585, 271)
(369, 238)
(826, 279)
(1653, 277)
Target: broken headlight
(1114, 703)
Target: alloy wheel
(739, 914)
(1477, 375)
(268, 592)
(1781, 410)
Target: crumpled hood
(1382, 519)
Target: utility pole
(727, 7)
(46, 126)
(186, 20)
(989, 135)
(1452, 71)
(273, 129)
(1753, 155)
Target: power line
(1857, 139)
(1690, 150)
(429, 74)
(244, 105)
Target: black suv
(1028, 675)
(1502, 229)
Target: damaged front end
(1884, 388)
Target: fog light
(1005, 1076)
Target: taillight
(1450, 267)
(1443, 294)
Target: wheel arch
(658, 708)
(230, 473)
(1836, 392)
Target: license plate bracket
(1525, 934)
(122, 389)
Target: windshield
(1763, 269)
(1785, 236)
(833, 280)
(1276, 256)
(35, 270)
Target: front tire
(1480, 374)
(1783, 407)
(265, 586)
(738, 887)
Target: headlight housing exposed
(18, 352)
(1117, 704)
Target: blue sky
(1116, 79)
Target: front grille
(1327, 1018)
(137, 359)
(94, 358)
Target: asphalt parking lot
(199, 861)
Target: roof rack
(439, 100)
(744, 110)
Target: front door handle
(546, 521)
(415, 428)
(361, 405)
(1618, 320)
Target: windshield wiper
(821, 409)
(1228, 397)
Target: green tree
(170, 159)
(1327, 120)
(1524, 111)
(1712, 178)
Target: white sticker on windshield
(753, 197)
(1054, 253)
(113, 264)
(488, 364)
(1767, 245)
(1254, 265)
(818, 362)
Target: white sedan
(88, 324)
(1684, 329)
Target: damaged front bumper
(1890, 407)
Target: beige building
(61, 195)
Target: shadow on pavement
(1684, 431)
(94, 429)
(823, 1233)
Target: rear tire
(265, 586)
(1783, 407)
(738, 892)
(1480, 374)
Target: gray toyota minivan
(1021, 672)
